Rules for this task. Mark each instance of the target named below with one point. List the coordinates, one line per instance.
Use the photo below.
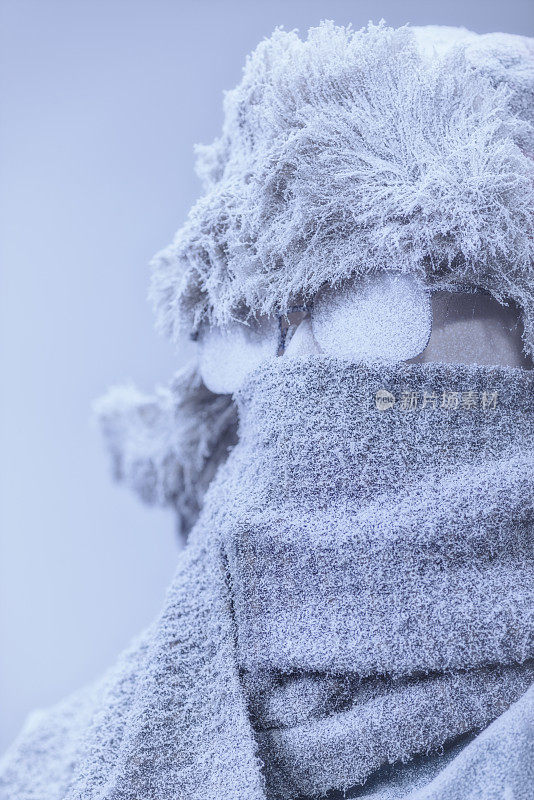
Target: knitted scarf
(353, 607)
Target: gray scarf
(356, 594)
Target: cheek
(386, 317)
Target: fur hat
(356, 152)
(168, 446)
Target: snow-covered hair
(355, 152)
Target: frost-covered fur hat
(358, 152)
(168, 446)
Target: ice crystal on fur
(355, 152)
(168, 446)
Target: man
(353, 609)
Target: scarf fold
(356, 594)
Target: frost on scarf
(354, 152)
(168, 446)
(362, 577)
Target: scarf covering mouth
(381, 561)
(356, 594)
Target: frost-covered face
(387, 317)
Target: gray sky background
(101, 103)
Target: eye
(386, 317)
(227, 354)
